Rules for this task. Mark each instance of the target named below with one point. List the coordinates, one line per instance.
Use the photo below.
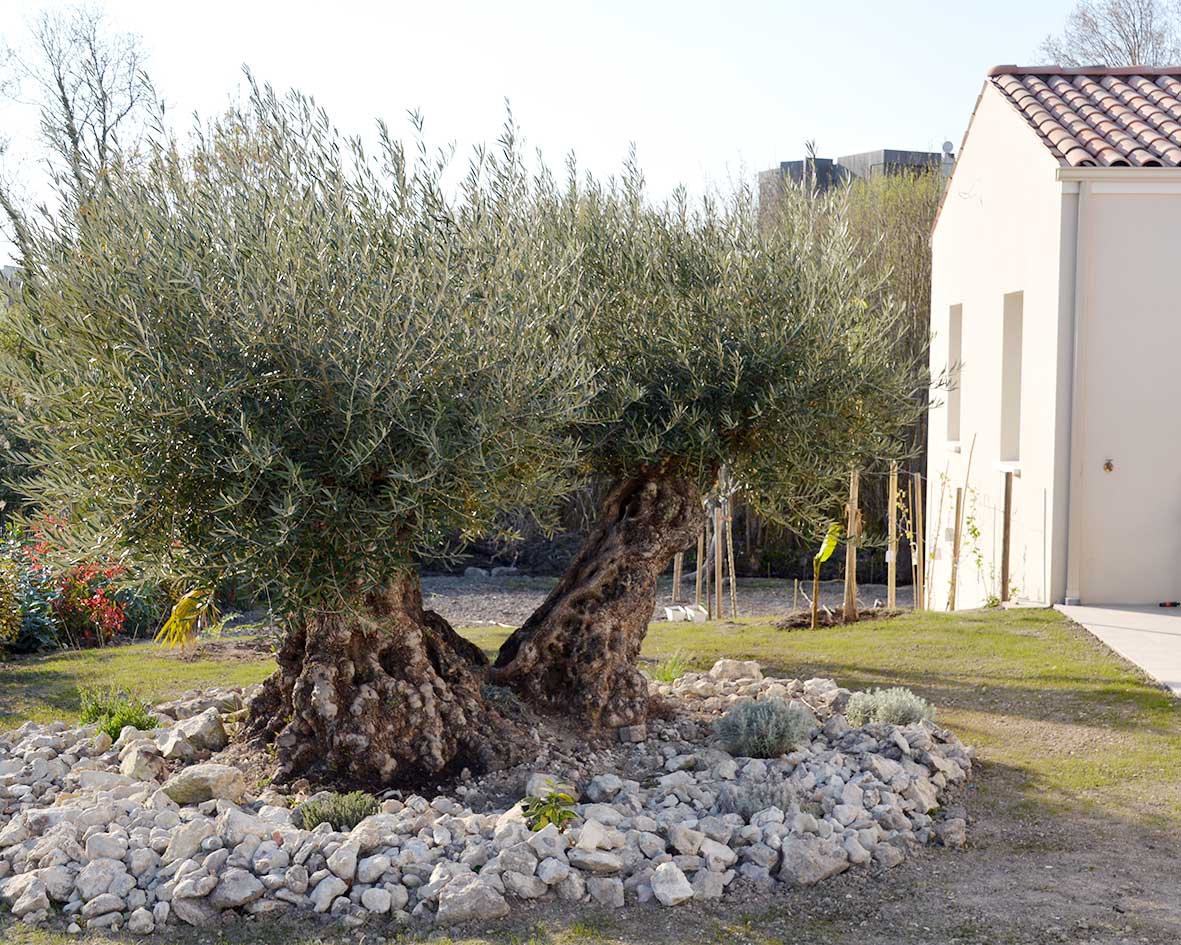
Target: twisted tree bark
(577, 653)
(386, 693)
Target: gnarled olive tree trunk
(383, 693)
(577, 653)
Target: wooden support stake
(700, 565)
(815, 593)
(912, 540)
(920, 591)
(678, 567)
(730, 561)
(852, 533)
(709, 554)
(1006, 532)
(718, 561)
(892, 549)
(795, 595)
(955, 547)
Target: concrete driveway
(1149, 636)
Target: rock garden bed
(156, 829)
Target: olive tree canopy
(717, 341)
(265, 353)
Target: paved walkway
(1150, 637)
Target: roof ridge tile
(1098, 116)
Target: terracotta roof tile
(1100, 117)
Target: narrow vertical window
(1011, 379)
(955, 333)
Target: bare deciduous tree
(1114, 33)
(91, 89)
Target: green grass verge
(1061, 722)
(45, 688)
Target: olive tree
(267, 354)
(716, 342)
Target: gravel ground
(508, 601)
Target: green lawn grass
(1062, 727)
(1065, 721)
(45, 688)
(1062, 720)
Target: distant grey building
(824, 173)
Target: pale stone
(552, 871)
(195, 912)
(670, 886)
(952, 832)
(235, 826)
(186, 839)
(344, 862)
(199, 783)
(101, 905)
(377, 899)
(111, 846)
(684, 839)
(808, 860)
(97, 877)
(606, 892)
(141, 764)
(523, 886)
(467, 899)
(371, 868)
(140, 922)
(708, 884)
(736, 669)
(326, 892)
(603, 787)
(235, 888)
(718, 857)
(205, 731)
(175, 747)
(595, 861)
(549, 841)
(592, 836)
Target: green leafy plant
(29, 622)
(555, 807)
(10, 608)
(671, 668)
(896, 706)
(341, 811)
(765, 728)
(114, 709)
(827, 547)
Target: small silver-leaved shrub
(765, 728)
(342, 811)
(749, 798)
(897, 706)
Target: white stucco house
(1056, 314)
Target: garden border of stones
(145, 832)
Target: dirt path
(473, 602)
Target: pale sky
(709, 91)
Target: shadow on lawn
(22, 686)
